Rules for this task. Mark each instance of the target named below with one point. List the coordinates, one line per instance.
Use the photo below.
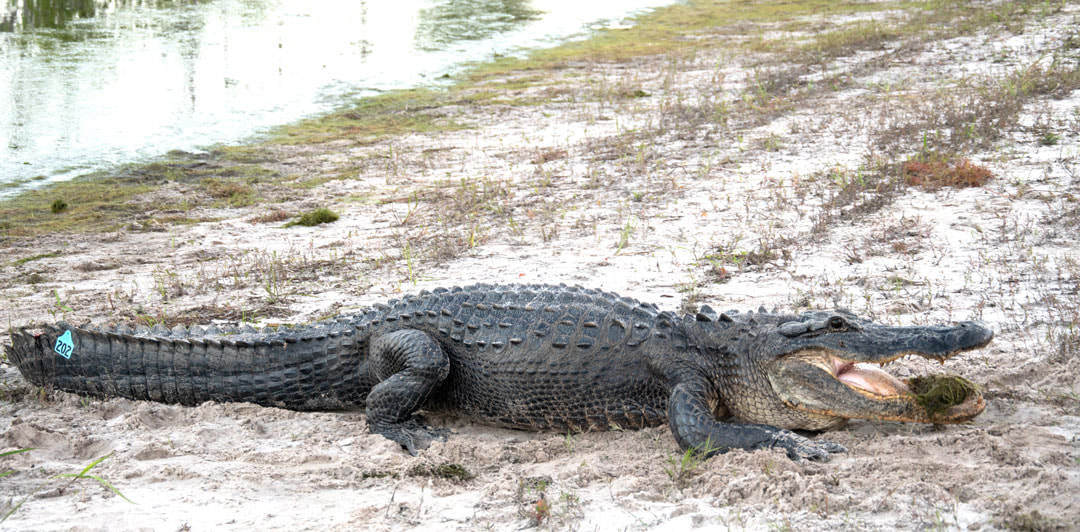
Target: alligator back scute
(534, 344)
(537, 356)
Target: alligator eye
(836, 323)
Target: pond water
(86, 84)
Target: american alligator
(533, 357)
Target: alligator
(534, 357)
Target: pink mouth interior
(868, 377)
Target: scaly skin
(534, 357)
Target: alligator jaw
(847, 383)
(874, 383)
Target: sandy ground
(599, 189)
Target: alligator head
(826, 365)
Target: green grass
(94, 204)
(391, 113)
(682, 466)
(315, 217)
(25, 260)
(663, 31)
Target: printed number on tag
(64, 345)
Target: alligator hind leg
(694, 426)
(409, 365)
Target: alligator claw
(413, 435)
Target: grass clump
(59, 206)
(319, 216)
(938, 393)
(1049, 139)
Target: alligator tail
(308, 368)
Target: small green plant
(624, 235)
(84, 474)
(319, 216)
(1047, 139)
(272, 282)
(58, 306)
(409, 262)
(773, 143)
(681, 467)
(59, 206)
(9, 453)
(571, 501)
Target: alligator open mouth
(945, 398)
(822, 382)
(869, 378)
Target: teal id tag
(64, 345)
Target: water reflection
(455, 20)
(29, 14)
(86, 84)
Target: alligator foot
(803, 448)
(413, 435)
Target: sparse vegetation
(39, 256)
(319, 216)
(272, 215)
(1049, 138)
(934, 174)
(680, 468)
(53, 481)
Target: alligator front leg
(409, 365)
(694, 426)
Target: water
(87, 84)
